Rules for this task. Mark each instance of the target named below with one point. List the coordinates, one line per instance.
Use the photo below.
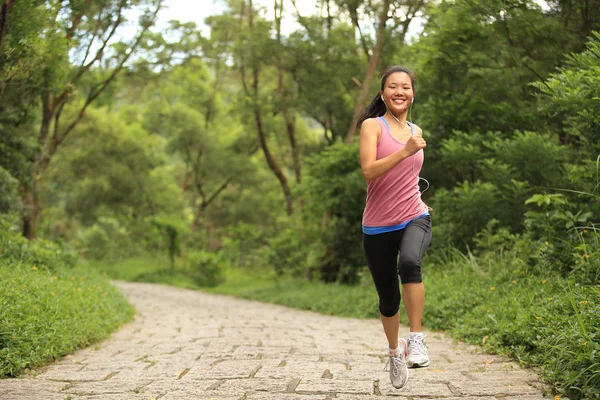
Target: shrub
(297, 250)
(206, 269)
(50, 305)
(334, 190)
(16, 250)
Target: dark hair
(377, 107)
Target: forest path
(186, 344)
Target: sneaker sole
(418, 365)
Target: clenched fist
(414, 144)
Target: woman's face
(398, 92)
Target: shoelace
(417, 346)
(397, 362)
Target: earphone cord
(414, 155)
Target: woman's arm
(369, 136)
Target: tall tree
(387, 10)
(324, 93)
(4, 10)
(288, 116)
(90, 29)
(250, 69)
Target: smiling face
(398, 92)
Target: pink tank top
(394, 198)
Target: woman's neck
(399, 119)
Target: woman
(395, 218)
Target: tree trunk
(6, 5)
(371, 70)
(287, 193)
(31, 192)
(200, 210)
(290, 122)
(272, 163)
(32, 212)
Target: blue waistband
(374, 230)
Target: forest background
(225, 157)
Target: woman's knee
(410, 270)
(389, 304)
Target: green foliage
(335, 190)
(465, 210)
(49, 306)
(499, 175)
(475, 61)
(296, 249)
(571, 98)
(206, 269)
(323, 92)
(9, 201)
(515, 305)
(170, 229)
(106, 239)
(245, 246)
(328, 298)
(16, 250)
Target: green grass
(47, 313)
(153, 269)
(333, 299)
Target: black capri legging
(381, 254)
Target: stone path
(186, 344)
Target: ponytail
(377, 108)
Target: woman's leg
(391, 326)
(415, 241)
(381, 254)
(413, 296)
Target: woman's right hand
(414, 144)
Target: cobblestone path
(187, 344)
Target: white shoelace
(397, 362)
(417, 346)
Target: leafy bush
(107, 239)
(334, 190)
(570, 98)
(296, 249)
(206, 269)
(50, 305)
(245, 246)
(497, 175)
(461, 212)
(519, 307)
(9, 187)
(16, 250)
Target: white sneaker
(397, 366)
(417, 353)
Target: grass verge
(49, 306)
(145, 269)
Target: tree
(387, 10)
(569, 97)
(89, 28)
(321, 59)
(4, 10)
(208, 159)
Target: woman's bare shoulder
(370, 124)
